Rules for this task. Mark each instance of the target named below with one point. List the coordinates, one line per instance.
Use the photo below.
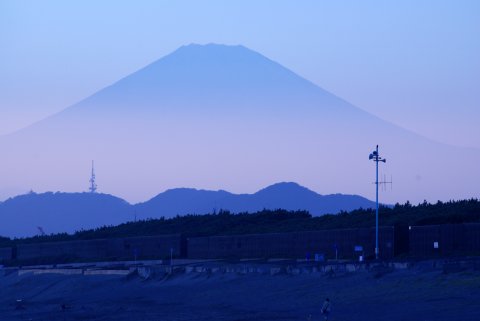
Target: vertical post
(376, 211)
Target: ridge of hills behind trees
(275, 221)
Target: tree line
(275, 221)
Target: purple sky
(412, 63)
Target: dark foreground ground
(413, 294)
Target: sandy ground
(401, 295)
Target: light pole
(376, 158)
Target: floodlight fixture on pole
(376, 158)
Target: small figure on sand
(326, 308)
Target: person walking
(326, 309)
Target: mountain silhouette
(70, 212)
(289, 196)
(60, 212)
(217, 115)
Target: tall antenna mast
(376, 158)
(93, 185)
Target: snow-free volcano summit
(226, 117)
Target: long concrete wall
(330, 243)
(117, 248)
(424, 242)
(72, 249)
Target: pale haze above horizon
(412, 64)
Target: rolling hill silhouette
(226, 116)
(289, 196)
(60, 212)
(69, 212)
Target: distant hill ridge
(69, 212)
(289, 196)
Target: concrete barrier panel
(275, 270)
(107, 272)
(59, 271)
(400, 265)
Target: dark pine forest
(268, 221)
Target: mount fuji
(226, 117)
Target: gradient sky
(413, 63)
